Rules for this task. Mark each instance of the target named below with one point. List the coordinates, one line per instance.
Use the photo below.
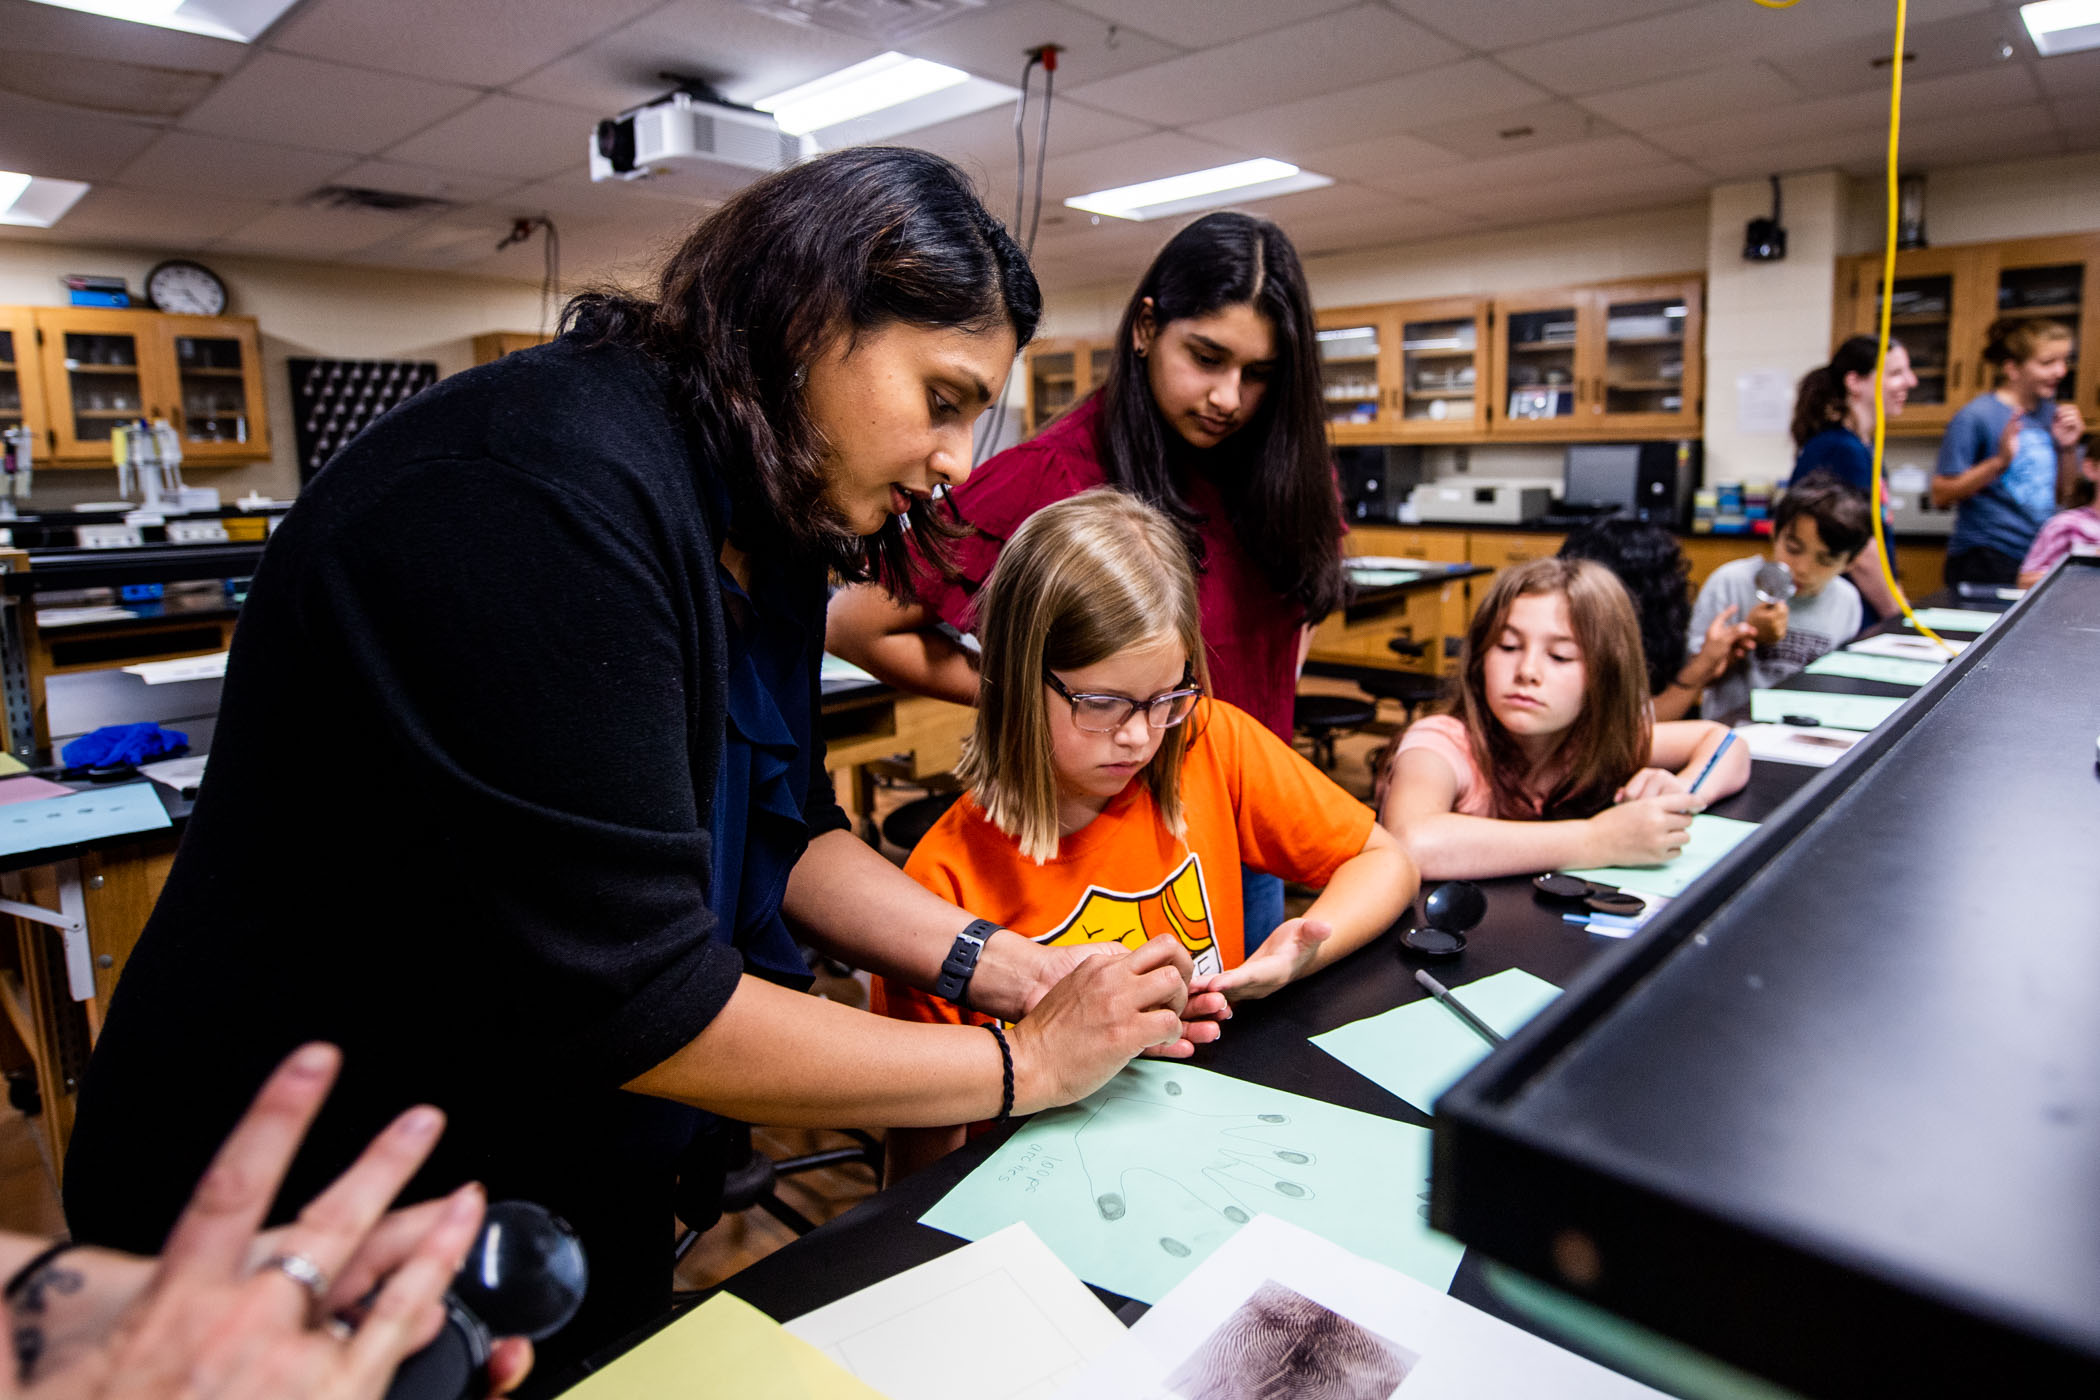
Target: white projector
(705, 149)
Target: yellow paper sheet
(723, 1348)
(10, 765)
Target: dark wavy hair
(1842, 517)
(1821, 399)
(1275, 474)
(1648, 560)
(846, 243)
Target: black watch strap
(954, 981)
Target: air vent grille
(377, 201)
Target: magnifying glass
(1774, 582)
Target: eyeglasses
(1105, 714)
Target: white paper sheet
(1002, 1319)
(1457, 1350)
(80, 617)
(182, 668)
(1906, 644)
(1789, 743)
(177, 773)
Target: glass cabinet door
(2049, 293)
(1439, 372)
(101, 385)
(1644, 356)
(1053, 385)
(1921, 315)
(212, 375)
(1539, 367)
(1352, 389)
(14, 381)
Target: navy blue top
(2007, 514)
(1838, 451)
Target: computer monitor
(1602, 476)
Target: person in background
(1819, 527)
(2072, 530)
(1551, 759)
(324, 1309)
(1652, 566)
(1834, 432)
(1212, 413)
(1108, 796)
(2009, 455)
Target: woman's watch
(954, 982)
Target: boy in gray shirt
(1818, 529)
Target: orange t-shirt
(1247, 798)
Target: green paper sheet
(1711, 838)
(1957, 619)
(1135, 1185)
(1419, 1050)
(1381, 578)
(1893, 669)
(1830, 710)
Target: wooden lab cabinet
(100, 368)
(494, 345)
(1621, 360)
(1945, 300)
(1059, 373)
(1406, 371)
(22, 380)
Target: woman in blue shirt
(1833, 425)
(2009, 454)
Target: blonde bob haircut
(1078, 582)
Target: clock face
(186, 287)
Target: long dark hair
(1821, 400)
(1274, 473)
(848, 242)
(1648, 560)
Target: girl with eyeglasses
(1110, 800)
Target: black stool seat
(907, 826)
(1321, 717)
(1408, 688)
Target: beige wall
(304, 309)
(1982, 203)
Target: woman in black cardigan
(516, 792)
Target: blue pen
(1707, 772)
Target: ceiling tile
(1129, 162)
(1956, 140)
(2071, 76)
(1384, 160)
(1368, 110)
(1501, 24)
(2078, 121)
(994, 43)
(1856, 151)
(325, 106)
(399, 178)
(299, 232)
(1350, 233)
(745, 54)
(46, 29)
(1615, 191)
(1517, 132)
(1690, 40)
(103, 85)
(485, 43)
(1201, 24)
(38, 138)
(502, 135)
(1733, 87)
(1960, 44)
(1803, 121)
(983, 145)
(159, 218)
(1604, 155)
(183, 161)
(1337, 50)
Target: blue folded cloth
(115, 744)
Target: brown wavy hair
(847, 243)
(2014, 340)
(1078, 582)
(1821, 400)
(1610, 739)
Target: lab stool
(907, 826)
(1321, 717)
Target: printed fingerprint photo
(1281, 1345)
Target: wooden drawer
(1406, 542)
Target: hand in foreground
(2067, 426)
(1646, 830)
(1651, 782)
(2009, 441)
(1112, 1006)
(1727, 642)
(209, 1324)
(1283, 956)
(1768, 623)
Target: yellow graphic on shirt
(1178, 905)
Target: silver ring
(339, 1329)
(304, 1272)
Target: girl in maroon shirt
(1211, 412)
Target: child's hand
(1286, 954)
(1768, 623)
(1651, 782)
(2067, 426)
(1646, 830)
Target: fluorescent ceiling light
(1199, 189)
(32, 201)
(885, 80)
(2063, 26)
(238, 20)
